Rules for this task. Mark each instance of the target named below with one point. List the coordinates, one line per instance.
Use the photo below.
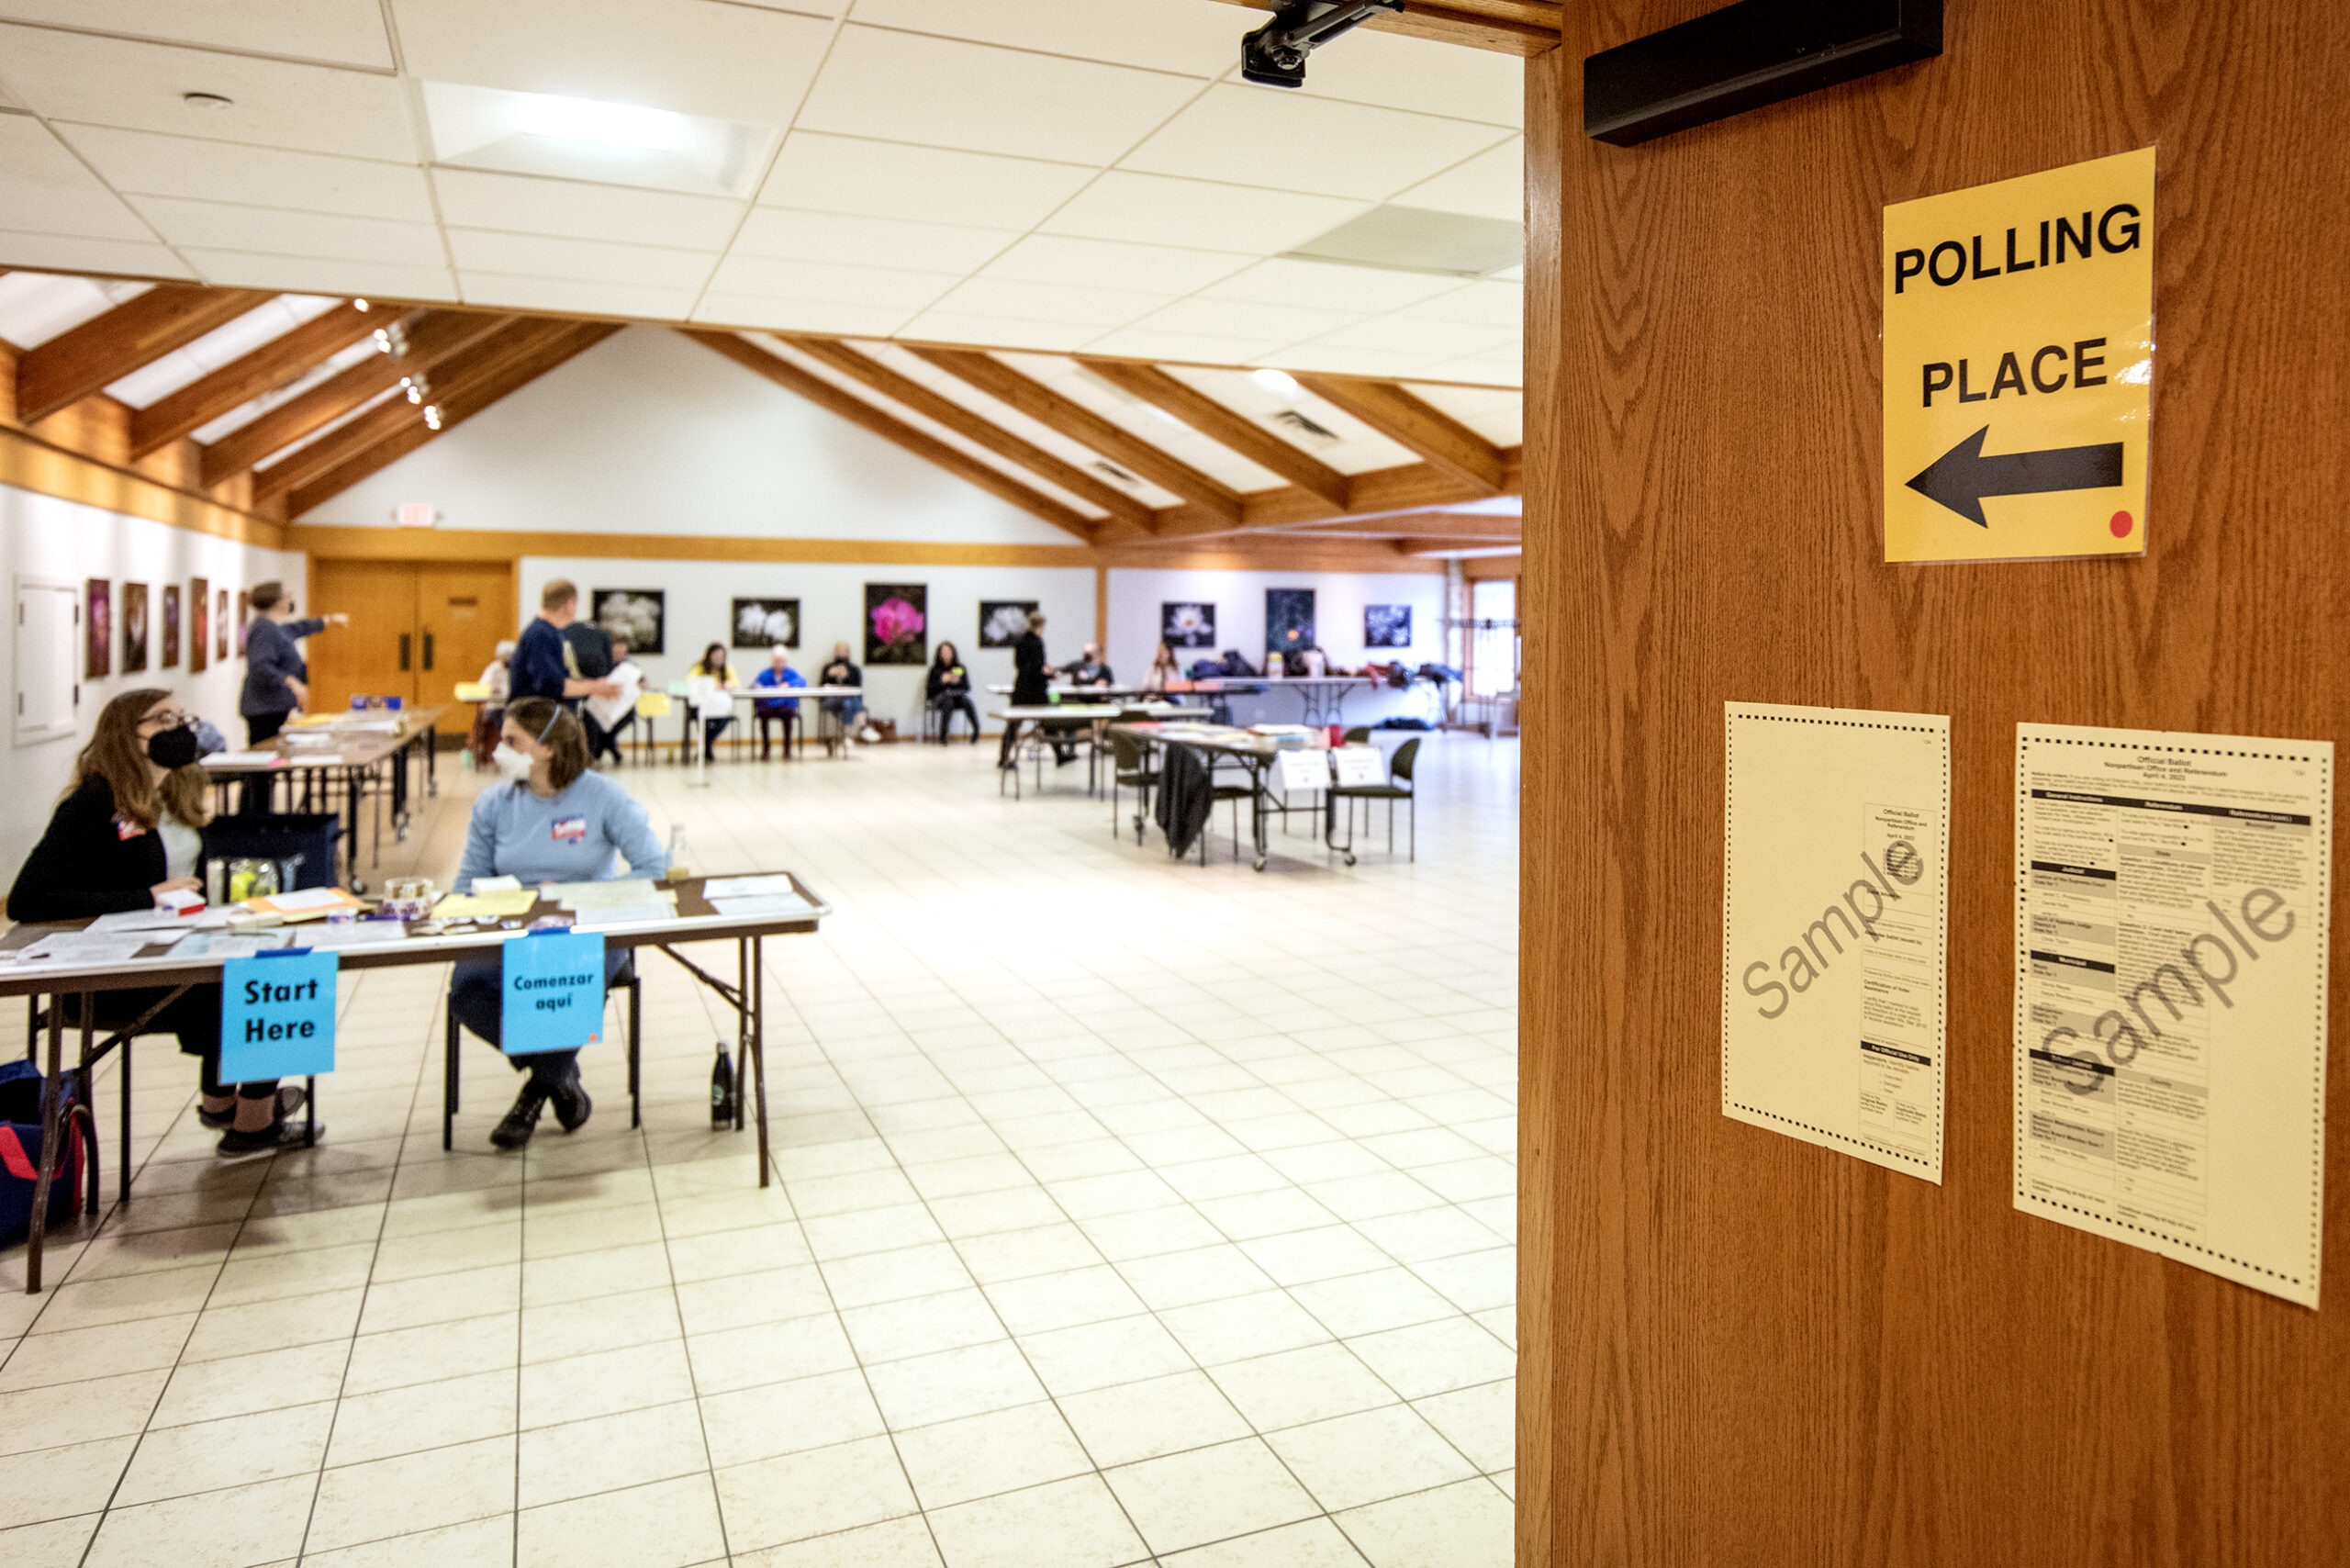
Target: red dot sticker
(2120, 525)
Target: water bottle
(721, 1089)
(680, 857)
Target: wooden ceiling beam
(1523, 27)
(104, 348)
(1030, 397)
(1468, 527)
(301, 465)
(1131, 514)
(1436, 436)
(287, 357)
(433, 336)
(858, 412)
(469, 395)
(1228, 429)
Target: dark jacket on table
(271, 656)
(1031, 680)
(84, 866)
(949, 681)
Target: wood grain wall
(1738, 1348)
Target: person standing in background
(1031, 687)
(277, 680)
(543, 665)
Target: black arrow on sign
(1962, 476)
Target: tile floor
(1129, 1212)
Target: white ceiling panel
(1405, 74)
(245, 413)
(852, 240)
(1486, 370)
(298, 274)
(1256, 136)
(1499, 417)
(1491, 185)
(1404, 334)
(952, 326)
(1358, 449)
(1488, 304)
(1097, 308)
(1153, 269)
(569, 295)
(822, 280)
(141, 86)
(59, 253)
(570, 209)
(1333, 361)
(732, 62)
(1153, 210)
(36, 306)
(143, 163)
(161, 378)
(1330, 286)
(1242, 319)
(223, 226)
(333, 32)
(1150, 342)
(799, 315)
(908, 87)
(590, 261)
(1189, 39)
(937, 184)
(43, 187)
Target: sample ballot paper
(1834, 888)
(2171, 915)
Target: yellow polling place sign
(2019, 365)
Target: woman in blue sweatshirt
(553, 818)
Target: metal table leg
(52, 1119)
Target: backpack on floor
(20, 1150)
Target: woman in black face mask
(129, 829)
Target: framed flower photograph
(764, 623)
(1001, 621)
(1187, 625)
(1386, 625)
(897, 624)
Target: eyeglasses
(169, 719)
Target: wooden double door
(417, 628)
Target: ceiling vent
(1420, 239)
(1111, 471)
(1291, 419)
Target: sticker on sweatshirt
(570, 828)
(123, 828)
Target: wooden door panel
(365, 656)
(462, 612)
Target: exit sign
(416, 514)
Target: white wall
(649, 432)
(700, 595)
(55, 541)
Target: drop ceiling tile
(994, 331)
(1241, 318)
(574, 210)
(1150, 344)
(822, 280)
(588, 297)
(1434, 339)
(1154, 269)
(1488, 304)
(139, 86)
(1491, 185)
(144, 163)
(297, 275)
(1153, 210)
(223, 226)
(852, 240)
(732, 62)
(1253, 136)
(1482, 369)
(1497, 415)
(937, 184)
(799, 315)
(1336, 360)
(945, 92)
(44, 188)
(331, 32)
(1415, 73)
(1191, 39)
(1089, 307)
(583, 260)
(58, 253)
(1328, 285)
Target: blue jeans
(476, 995)
(847, 710)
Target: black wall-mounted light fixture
(1274, 55)
(1746, 55)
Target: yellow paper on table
(503, 905)
(653, 704)
(472, 692)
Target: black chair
(625, 978)
(1399, 767)
(1132, 768)
(788, 721)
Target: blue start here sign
(553, 983)
(277, 1015)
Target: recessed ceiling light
(609, 125)
(557, 136)
(360, 306)
(205, 100)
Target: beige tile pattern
(1126, 1212)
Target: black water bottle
(722, 1090)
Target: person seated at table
(1087, 668)
(713, 663)
(779, 710)
(550, 819)
(847, 712)
(948, 689)
(125, 832)
(608, 717)
(498, 680)
(1166, 671)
